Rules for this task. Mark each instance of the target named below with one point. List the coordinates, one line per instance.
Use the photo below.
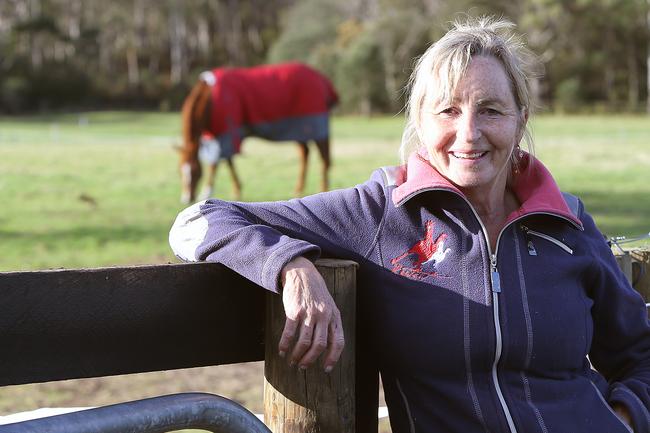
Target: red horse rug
(284, 102)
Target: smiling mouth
(473, 155)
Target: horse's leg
(303, 155)
(208, 187)
(236, 185)
(324, 150)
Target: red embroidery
(425, 251)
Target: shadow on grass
(101, 235)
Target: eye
(491, 111)
(449, 111)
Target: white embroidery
(440, 253)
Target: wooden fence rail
(67, 324)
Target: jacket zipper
(495, 282)
(531, 247)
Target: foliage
(147, 53)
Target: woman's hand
(623, 414)
(313, 320)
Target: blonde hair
(443, 64)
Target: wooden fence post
(312, 401)
(641, 268)
(624, 261)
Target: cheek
(505, 136)
(435, 136)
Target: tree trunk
(236, 53)
(177, 32)
(633, 77)
(36, 46)
(648, 59)
(135, 44)
(610, 85)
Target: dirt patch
(243, 383)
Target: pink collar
(534, 187)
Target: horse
(282, 102)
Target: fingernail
(281, 354)
(292, 363)
(328, 369)
(303, 367)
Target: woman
(486, 294)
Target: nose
(468, 128)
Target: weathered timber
(641, 272)
(65, 324)
(312, 401)
(624, 261)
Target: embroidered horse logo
(426, 251)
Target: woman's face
(471, 137)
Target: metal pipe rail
(153, 415)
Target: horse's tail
(195, 118)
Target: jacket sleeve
(620, 348)
(258, 239)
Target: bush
(567, 96)
(14, 94)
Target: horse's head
(195, 115)
(190, 174)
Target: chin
(468, 181)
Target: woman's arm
(273, 244)
(620, 348)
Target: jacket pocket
(532, 233)
(600, 397)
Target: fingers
(313, 348)
(313, 326)
(302, 345)
(336, 342)
(325, 337)
(287, 337)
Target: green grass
(102, 189)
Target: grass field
(102, 189)
(99, 189)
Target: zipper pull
(529, 243)
(494, 275)
(531, 248)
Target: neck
(493, 204)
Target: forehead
(484, 80)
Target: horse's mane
(195, 118)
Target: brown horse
(286, 102)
